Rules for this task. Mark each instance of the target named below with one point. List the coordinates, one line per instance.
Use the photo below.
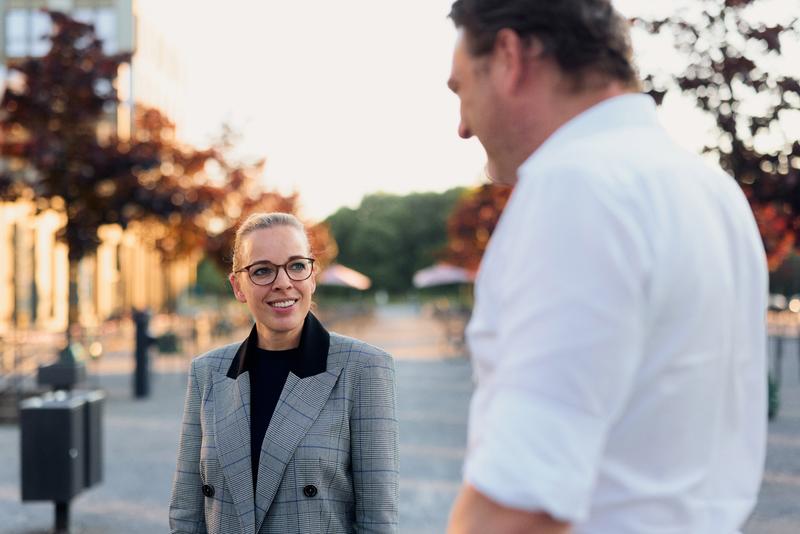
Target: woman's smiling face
(279, 308)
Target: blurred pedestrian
(294, 430)
(618, 337)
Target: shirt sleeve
(570, 317)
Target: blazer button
(310, 490)
(208, 490)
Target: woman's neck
(278, 340)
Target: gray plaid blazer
(329, 461)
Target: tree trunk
(73, 312)
(170, 300)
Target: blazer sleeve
(374, 448)
(186, 512)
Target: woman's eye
(298, 266)
(264, 271)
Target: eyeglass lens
(266, 273)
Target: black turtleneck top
(268, 372)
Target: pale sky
(346, 98)
(342, 98)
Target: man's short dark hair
(583, 36)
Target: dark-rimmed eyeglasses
(263, 273)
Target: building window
(27, 30)
(17, 24)
(26, 33)
(104, 20)
(41, 28)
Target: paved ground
(778, 509)
(433, 394)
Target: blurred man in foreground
(618, 337)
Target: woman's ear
(237, 290)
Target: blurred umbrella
(339, 275)
(442, 274)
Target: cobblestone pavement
(433, 393)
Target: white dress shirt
(618, 337)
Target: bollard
(798, 355)
(141, 374)
(779, 359)
(775, 375)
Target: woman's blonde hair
(259, 221)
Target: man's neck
(563, 107)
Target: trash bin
(93, 436)
(53, 454)
(61, 374)
(61, 447)
(168, 343)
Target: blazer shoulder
(217, 359)
(355, 352)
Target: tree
(390, 237)
(244, 195)
(251, 198)
(736, 71)
(227, 194)
(57, 153)
(189, 199)
(472, 223)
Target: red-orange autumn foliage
(231, 196)
(737, 54)
(777, 227)
(471, 224)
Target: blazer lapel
(301, 401)
(232, 431)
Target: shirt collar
(313, 350)
(624, 111)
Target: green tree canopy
(390, 237)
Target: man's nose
(463, 130)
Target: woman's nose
(282, 279)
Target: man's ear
(512, 57)
(237, 290)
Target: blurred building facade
(125, 272)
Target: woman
(294, 430)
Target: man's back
(698, 404)
(642, 337)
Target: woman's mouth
(283, 304)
